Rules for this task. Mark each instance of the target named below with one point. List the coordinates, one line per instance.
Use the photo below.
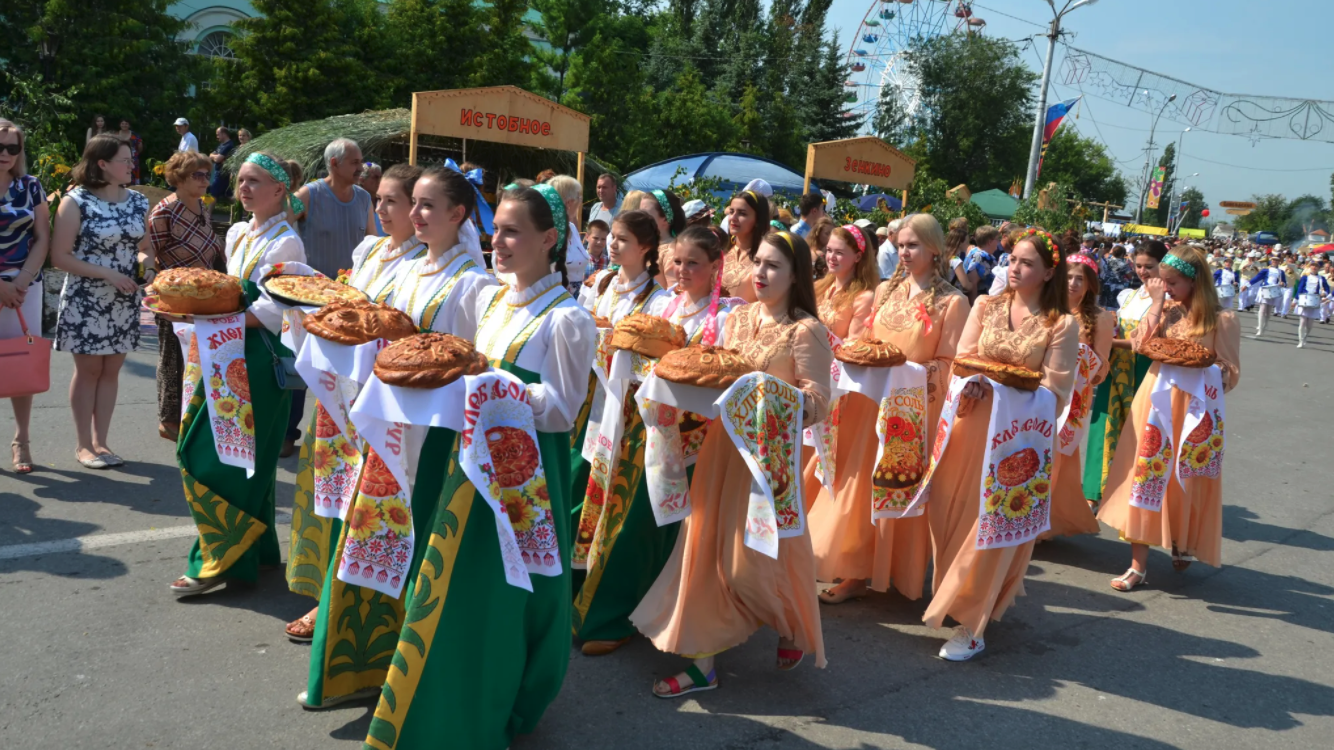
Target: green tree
(1053, 213)
(299, 60)
(1306, 213)
(117, 58)
(448, 29)
(1269, 214)
(1084, 165)
(976, 98)
(687, 120)
(566, 26)
(1194, 201)
(612, 92)
(506, 54)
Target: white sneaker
(962, 646)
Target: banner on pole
(1156, 187)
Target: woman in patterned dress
(439, 291)
(130, 138)
(923, 314)
(1026, 326)
(182, 237)
(714, 591)
(235, 508)
(1188, 520)
(1126, 370)
(25, 233)
(479, 660)
(100, 227)
(1071, 512)
(748, 223)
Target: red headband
(856, 235)
(1085, 260)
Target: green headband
(666, 206)
(278, 173)
(558, 215)
(1181, 265)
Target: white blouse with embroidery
(559, 348)
(442, 296)
(619, 300)
(691, 317)
(251, 247)
(375, 263)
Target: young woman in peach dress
(1189, 521)
(1026, 325)
(922, 314)
(748, 222)
(1071, 512)
(715, 592)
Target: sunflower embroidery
(1019, 503)
(226, 407)
(215, 383)
(995, 500)
(247, 420)
(1200, 457)
(363, 521)
(322, 458)
(1041, 487)
(1158, 467)
(348, 450)
(520, 510)
(1216, 442)
(395, 514)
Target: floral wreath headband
(1178, 263)
(1050, 243)
(666, 206)
(279, 173)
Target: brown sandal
(302, 630)
(22, 457)
(1179, 561)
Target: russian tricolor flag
(1055, 116)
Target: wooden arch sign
(501, 114)
(866, 160)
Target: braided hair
(644, 228)
(1089, 310)
(932, 237)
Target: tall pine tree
(448, 29)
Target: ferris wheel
(877, 56)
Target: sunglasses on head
(14, 149)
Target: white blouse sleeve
(285, 249)
(360, 251)
(470, 290)
(576, 257)
(657, 304)
(564, 374)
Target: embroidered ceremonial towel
(221, 346)
(900, 426)
(1199, 454)
(1073, 425)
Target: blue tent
(869, 202)
(735, 170)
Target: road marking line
(97, 541)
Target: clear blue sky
(1266, 48)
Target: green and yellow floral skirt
(235, 513)
(478, 660)
(357, 628)
(1111, 408)
(629, 551)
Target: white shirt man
(188, 140)
(887, 257)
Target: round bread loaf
(197, 291)
(601, 322)
(648, 335)
(310, 290)
(869, 353)
(354, 322)
(1011, 375)
(428, 360)
(1179, 352)
(704, 366)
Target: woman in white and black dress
(100, 228)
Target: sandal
(790, 658)
(699, 683)
(1125, 583)
(187, 586)
(168, 432)
(302, 630)
(838, 594)
(1180, 562)
(359, 695)
(22, 457)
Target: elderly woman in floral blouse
(181, 236)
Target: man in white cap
(697, 212)
(188, 140)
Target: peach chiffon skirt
(847, 544)
(1192, 518)
(972, 586)
(1070, 512)
(715, 592)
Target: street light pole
(1040, 123)
(1175, 208)
(1144, 194)
(1177, 190)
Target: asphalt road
(96, 653)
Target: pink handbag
(25, 363)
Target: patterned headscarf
(279, 173)
(558, 214)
